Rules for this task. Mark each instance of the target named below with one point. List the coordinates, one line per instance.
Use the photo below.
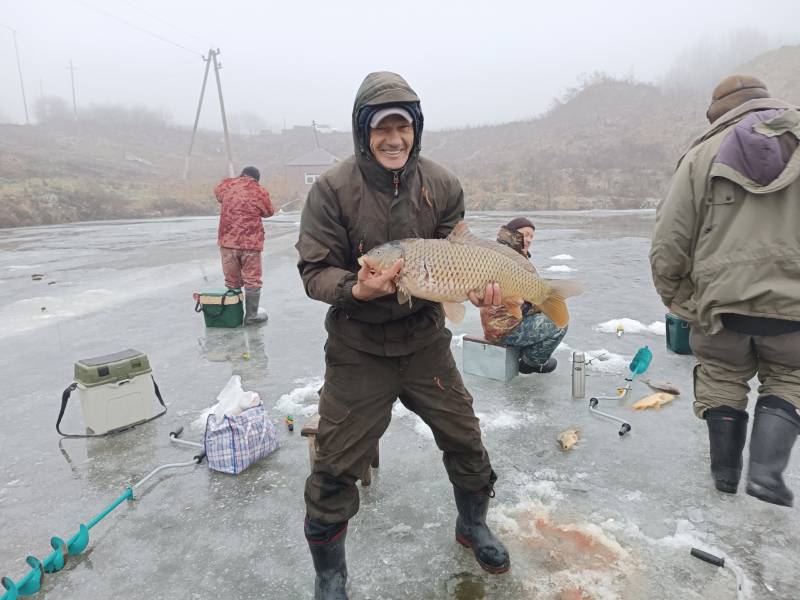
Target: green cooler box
(223, 308)
(678, 334)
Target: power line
(138, 27)
(165, 22)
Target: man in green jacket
(379, 350)
(726, 257)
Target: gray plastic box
(493, 361)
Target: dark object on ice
(775, 428)
(473, 532)
(709, 558)
(546, 367)
(37, 276)
(678, 334)
(727, 432)
(51, 283)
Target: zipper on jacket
(396, 182)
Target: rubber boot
(326, 543)
(546, 367)
(252, 296)
(473, 532)
(727, 432)
(775, 429)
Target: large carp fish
(448, 270)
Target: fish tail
(556, 310)
(566, 288)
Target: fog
(290, 63)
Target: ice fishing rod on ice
(55, 561)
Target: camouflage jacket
(243, 202)
(497, 322)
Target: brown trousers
(355, 408)
(728, 360)
(241, 268)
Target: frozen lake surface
(610, 519)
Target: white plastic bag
(232, 400)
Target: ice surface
(609, 519)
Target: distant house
(303, 171)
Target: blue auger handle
(641, 361)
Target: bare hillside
(607, 143)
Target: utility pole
(19, 70)
(217, 67)
(314, 127)
(196, 117)
(72, 76)
(212, 58)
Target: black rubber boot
(775, 429)
(546, 367)
(727, 432)
(252, 296)
(473, 532)
(326, 543)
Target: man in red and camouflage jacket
(243, 202)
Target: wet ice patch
(505, 420)
(631, 326)
(561, 257)
(400, 530)
(560, 269)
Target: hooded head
(733, 91)
(385, 97)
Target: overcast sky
(291, 62)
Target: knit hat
(519, 223)
(251, 172)
(733, 91)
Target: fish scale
(445, 271)
(448, 270)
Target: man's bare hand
(374, 284)
(491, 296)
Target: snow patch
(296, 401)
(631, 326)
(603, 361)
(561, 257)
(560, 269)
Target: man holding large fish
(380, 349)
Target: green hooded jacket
(727, 233)
(359, 204)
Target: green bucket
(678, 334)
(223, 308)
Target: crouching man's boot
(473, 532)
(252, 296)
(775, 429)
(727, 432)
(326, 543)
